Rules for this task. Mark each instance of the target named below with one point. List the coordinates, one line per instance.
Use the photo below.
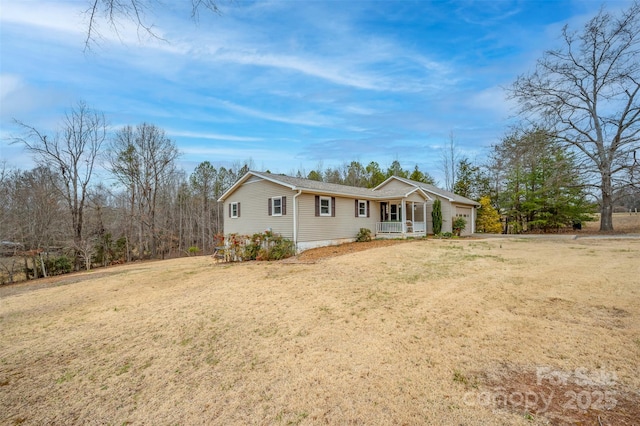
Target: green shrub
(58, 265)
(193, 250)
(253, 245)
(265, 246)
(275, 247)
(364, 235)
(459, 223)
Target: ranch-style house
(315, 214)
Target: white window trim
(234, 210)
(273, 206)
(328, 213)
(362, 203)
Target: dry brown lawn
(623, 223)
(473, 332)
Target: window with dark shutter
(234, 210)
(325, 206)
(368, 211)
(269, 211)
(333, 206)
(362, 208)
(284, 206)
(275, 206)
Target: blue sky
(288, 84)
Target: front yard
(500, 331)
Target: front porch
(408, 229)
(403, 219)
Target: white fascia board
(233, 187)
(420, 190)
(439, 195)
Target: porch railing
(397, 228)
(389, 228)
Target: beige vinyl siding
(396, 185)
(429, 217)
(415, 198)
(343, 225)
(446, 215)
(254, 217)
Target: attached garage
(466, 213)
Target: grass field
(625, 223)
(473, 332)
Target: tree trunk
(26, 268)
(606, 209)
(36, 273)
(44, 270)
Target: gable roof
(324, 188)
(431, 189)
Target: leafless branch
(115, 12)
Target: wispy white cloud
(212, 136)
(272, 157)
(57, 16)
(306, 119)
(493, 100)
(343, 56)
(9, 83)
(18, 98)
(329, 71)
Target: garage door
(465, 212)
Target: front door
(396, 213)
(384, 212)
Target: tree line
(355, 173)
(63, 208)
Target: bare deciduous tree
(5, 197)
(116, 11)
(72, 153)
(450, 157)
(143, 159)
(587, 93)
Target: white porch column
(424, 217)
(403, 216)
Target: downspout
(295, 220)
(403, 218)
(473, 219)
